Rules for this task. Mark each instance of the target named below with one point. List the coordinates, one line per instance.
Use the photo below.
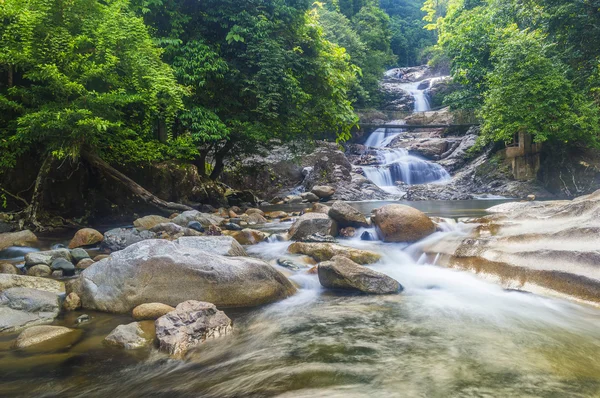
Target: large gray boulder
(221, 245)
(119, 238)
(343, 273)
(347, 216)
(23, 307)
(312, 223)
(170, 273)
(191, 324)
(46, 257)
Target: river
(449, 334)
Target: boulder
(191, 324)
(21, 238)
(255, 218)
(72, 302)
(148, 222)
(132, 336)
(41, 270)
(323, 191)
(85, 263)
(56, 336)
(400, 223)
(326, 251)
(255, 211)
(248, 236)
(205, 219)
(196, 226)
(78, 255)
(66, 267)
(119, 238)
(232, 227)
(46, 257)
(8, 268)
(277, 214)
(86, 237)
(221, 245)
(292, 199)
(22, 307)
(343, 273)
(309, 197)
(347, 216)
(171, 272)
(151, 311)
(31, 282)
(320, 208)
(312, 223)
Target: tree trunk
(31, 211)
(219, 157)
(135, 188)
(10, 76)
(200, 162)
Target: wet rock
(221, 245)
(191, 324)
(325, 251)
(170, 272)
(289, 264)
(85, 263)
(72, 302)
(323, 191)
(347, 216)
(205, 219)
(255, 211)
(320, 208)
(309, 197)
(368, 235)
(277, 214)
(54, 336)
(348, 232)
(47, 257)
(151, 311)
(148, 222)
(78, 255)
(120, 238)
(60, 264)
(248, 236)
(195, 225)
(232, 227)
(85, 237)
(21, 238)
(319, 238)
(83, 318)
(400, 223)
(8, 268)
(312, 223)
(343, 273)
(40, 270)
(11, 281)
(22, 307)
(132, 336)
(256, 218)
(292, 199)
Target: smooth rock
(277, 214)
(205, 219)
(21, 238)
(292, 199)
(221, 245)
(312, 223)
(255, 211)
(54, 336)
(323, 191)
(79, 254)
(191, 324)
(347, 216)
(46, 257)
(256, 218)
(173, 231)
(101, 257)
(31, 282)
(232, 227)
(22, 307)
(196, 226)
(249, 236)
(319, 238)
(86, 237)
(60, 264)
(148, 222)
(120, 238)
(72, 302)
(85, 263)
(132, 336)
(151, 311)
(170, 273)
(8, 268)
(320, 208)
(368, 235)
(400, 223)
(343, 273)
(326, 251)
(309, 197)
(40, 270)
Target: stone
(221, 245)
(309, 197)
(119, 238)
(323, 191)
(311, 223)
(60, 264)
(8, 268)
(277, 214)
(236, 209)
(85, 237)
(21, 238)
(326, 251)
(343, 273)
(289, 264)
(85, 263)
(319, 238)
(41, 270)
(292, 199)
(232, 214)
(148, 222)
(132, 336)
(256, 218)
(530, 198)
(320, 208)
(255, 211)
(79, 254)
(170, 272)
(400, 223)
(196, 226)
(368, 236)
(56, 336)
(46, 257)
(232, 227)
(151, 311)
(31, 282)
(101, 257)
(191, 324)
(205, 219)
(248, 236)
(72, 302)
(83, 318)
(57, 274)
(347, 216)
(173, 231)
(22, 307)
(348, 232)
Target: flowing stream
(449, 334)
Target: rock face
(170, 273)
(221, 245)
(343, 273)
(9, 281)
(132, 336)
(44, 334)
(326, 251)
(400, 223)
(120, 238)
(85, 237)
(347, 216)
(21, 238)
(151, 311)
(191, 324)
(23, 307)
(312, 223)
